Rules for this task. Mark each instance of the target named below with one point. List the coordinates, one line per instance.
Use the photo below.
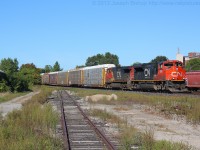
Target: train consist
(164, 76)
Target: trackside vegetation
(8, 96)
(130, 137)
(169, 105)
(32, 127)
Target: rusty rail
(101, 135)
(64, 124)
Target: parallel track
(78, 130)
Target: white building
(179, 57)
(185, 59)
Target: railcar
(193, 80)
(75, 77)
(168, 75)
(94, 76)
(53, 78)
(45, 78)
(63, 78)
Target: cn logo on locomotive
(147, 72)
(119, 76)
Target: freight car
(63, 78)
(95, 76)
(75, 77)
(45, 78)
(193, 80)
(53, 78)
(168, 75)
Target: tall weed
(32, 127)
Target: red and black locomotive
(168, 75)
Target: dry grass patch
(105, 116)
(166, 104)
(8, 96)
(130, 137)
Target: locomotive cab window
(168, 65)
(178, 64)
(161, 66)
(126, 70)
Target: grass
(32, 127)
(8, 96)
(105, 116)
(166, 104)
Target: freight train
(164, 76)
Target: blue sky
(69, 31)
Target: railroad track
(78, 130)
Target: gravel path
(15, 103)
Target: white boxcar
(94, 76)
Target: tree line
(18, 79)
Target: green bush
(4, 86)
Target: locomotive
(164, 76)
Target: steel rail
(64, 124)
(102, 136)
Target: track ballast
(78, 130)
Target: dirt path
(15, 103)
(164, 129)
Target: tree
(31, 74)
(136, 63)
(99, 59)
(9, 66)
(15, 81)
(48, 68)
(80, 66)
(159, 59)
(3, 82)
(193, 64)
(56, 67)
